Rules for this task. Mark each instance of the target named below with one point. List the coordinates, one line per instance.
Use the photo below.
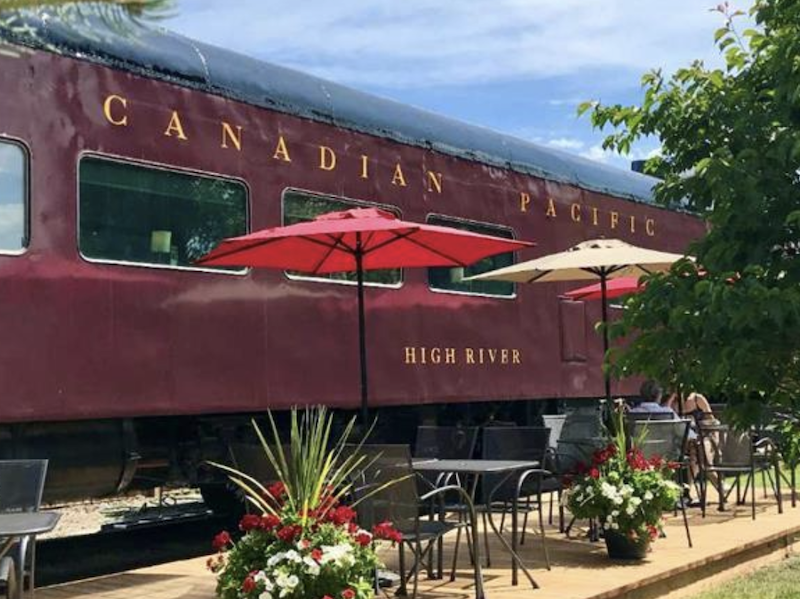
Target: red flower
(580, 468)
(277, 491)
(363, 538)
(249, 522)
(221, 541)
(341, 515)
(348, 594)
(249, 585)
(386, 531)
(269, 522)
(594, 473)
(316, 554)
(327, 597)
(288, 533)
(652, 531)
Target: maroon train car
(124, 156)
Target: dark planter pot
(621, 546)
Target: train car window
(301, 206)
(13, 197)
(145, 215)
(451, 279)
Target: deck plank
(580, 569)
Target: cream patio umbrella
(602, 259)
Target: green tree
(120, 15)
(730, 153)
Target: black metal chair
(669, 440)
(524, 443)
(21, 488)
(581, 434)
(445, 443)
(389, 471)
(552, 464)
(729, 452)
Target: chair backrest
(399, 501)
(528, 443)
(665, 438)
(648, 416)
(445, 442)
(581, 434)
(730, 448)
(21, 485)
(556, 424)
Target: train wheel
(223, 500)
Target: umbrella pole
(362, 339)
(606, 374)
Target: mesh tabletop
(27, 523)
(475, 466)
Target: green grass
(781, 581)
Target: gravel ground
(89, 516)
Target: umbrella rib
(337, 243)
(397, 237)
(407, 236)
(233, 252)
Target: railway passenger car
(124, 156)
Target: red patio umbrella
(614, 288)
(357, 240)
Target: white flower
(286, 582)
(615, 513)
(648, 495)
(636, 501)
(276, 559)
(311, 565)
(339, 554)
(265, 595)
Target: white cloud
(427, 42)
(565, 143)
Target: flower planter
(621, 546)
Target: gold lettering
(119, 122)
(422, 359)
(480, 355)
(398, 178)
(450, 355)
(492, 355)
(504, 356)
(364, 166)
(524, 200)
(551, 208)
(614, 219)
(515, 357)
(281, 151)
(594, 216)
(575, 212)
(436, 355)
(327, 158)
(175, 126)
(650, 226)
(469, 354)
(229, 134)
(633, 224)
(411, 355)
(435, 181)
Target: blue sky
(516, 66)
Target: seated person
(649, 403)
(695, 405)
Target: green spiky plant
(302, 541)
(317, 469)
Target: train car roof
(160, 54)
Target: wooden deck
(580, 569)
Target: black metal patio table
(478, 468)
(14, 526)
